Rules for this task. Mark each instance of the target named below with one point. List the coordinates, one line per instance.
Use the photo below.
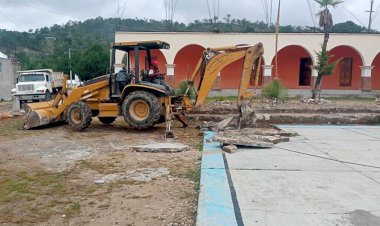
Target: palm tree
(326, 22)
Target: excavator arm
(215, 59)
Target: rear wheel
(106, 120)
(79, 115)
(141, 109)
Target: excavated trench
(333, 116)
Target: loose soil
(336, 111)
(47, 176)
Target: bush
(182, 89)
(275, 90)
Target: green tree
(326, 23)
(94, 62)
(348, 27)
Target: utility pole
(71, 73)
(370, 16)
(277, 31)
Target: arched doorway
(185, 62)
(143, 62)
(376, 73)
(347, 73)
(230, 75)
(294, 69)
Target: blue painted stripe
(215, 206)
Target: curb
(215, 204)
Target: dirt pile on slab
(253, 137)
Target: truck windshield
(31, 78)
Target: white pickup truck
(37, 85)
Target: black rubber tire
(107, 120)
(47, 95)
(150, 100)
(82, 112)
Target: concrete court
(293, 183)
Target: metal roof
(128, 46)
(3, 56)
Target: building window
(345, 72)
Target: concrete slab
(297, 183)
(303, 197)
(161, 147)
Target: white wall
(367, 45)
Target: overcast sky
(23, 15)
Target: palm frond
(327, 3)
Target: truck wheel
(79, 115)
(141, 109)
(47, 95)
(106, 120)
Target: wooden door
(345, 72)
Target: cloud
(32, 14)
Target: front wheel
(141, 109)
(47, 95)
(79, 115)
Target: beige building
(8, 74)
(358, 71)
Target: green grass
(183, 85)
(73, 209)
(12, 128)
(221, 98)
(275, 90)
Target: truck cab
(35, 85)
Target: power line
(6, 16)
(46, 10)
(376, 13)
(353, 16)
(311, 12)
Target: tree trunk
(324, 49)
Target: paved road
(329, 175)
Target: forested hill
(48, 47)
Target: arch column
(314, 75)
(366, 80)
(267, 74)
(170, 74)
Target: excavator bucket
(40, 114)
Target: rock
(162, 147)
(377, 100)
(229, 148)
(248, 118)
(100, 181)
(236, 137)
(263, 117)
(275, 139)
(224, 123)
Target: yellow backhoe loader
(141, 103)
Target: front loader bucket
(40, 114)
